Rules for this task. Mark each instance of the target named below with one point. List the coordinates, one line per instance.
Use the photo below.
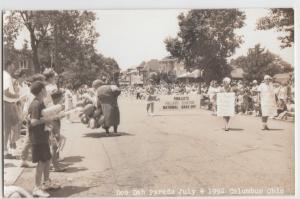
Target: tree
(73, 36)
(281, 19)
(37, 23)
(64, 35)
(260, 62)
(206, 39)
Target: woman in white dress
(265, 87)
(226, 88)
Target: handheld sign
(268, 104)
(178, 102)
(225, 104)
(52, 111)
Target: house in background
(237, 73)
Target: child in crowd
(55, 137)
(239, 102)
(27, 142)
(40, 140)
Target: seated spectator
(281, 106)
(281, 109)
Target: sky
(133, 36)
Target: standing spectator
(20, 88)
(27, 142)
(68, 101)
(57, 98)
(39, 139)
(283, 92)
(51, 86)
(9, 105)
(212, 93)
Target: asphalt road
(177, 154)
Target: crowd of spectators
(247, 101)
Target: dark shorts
(41, 152)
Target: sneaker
(40, 193)
(9, 156)
(49, 185)
(24, 164)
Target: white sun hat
(227, 80)
(267, 77)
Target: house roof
(282, 76)
(237, 73)
(153, 64)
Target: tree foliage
(63, 40)
(206, 39)
(281, 19)
(260, 62)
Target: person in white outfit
(265, 87)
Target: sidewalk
(12, 169)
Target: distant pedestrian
(150, 99)
(10, 97)
(226, 89)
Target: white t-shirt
(50, 88)
(7, 84)
(25, 91)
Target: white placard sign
(268, 104)
(178, 102)
(225, 104)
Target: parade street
(184, 153)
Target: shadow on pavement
(7, 165)
(68, 191)
(74, 169)
(103, 134)
(73, 159)
(235, 129)
(275, 129)
(174, 115)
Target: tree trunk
(35, 58)
(56, 61)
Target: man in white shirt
(9, 106)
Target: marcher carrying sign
(268, 104)
(179, 102)
(225, 104)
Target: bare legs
(226, 119)
(264, 120)
(42, 169)
(151, 107)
